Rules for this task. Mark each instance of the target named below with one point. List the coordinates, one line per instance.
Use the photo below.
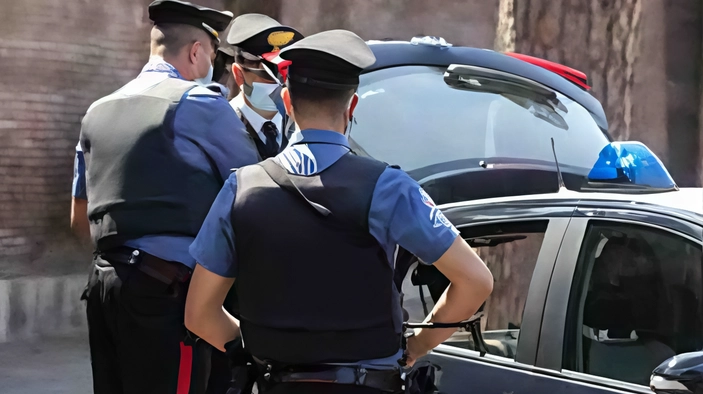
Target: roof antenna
(562, 187)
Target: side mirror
(680, 374)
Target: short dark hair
(305, 98)
(174, 36)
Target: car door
(519, 245)
(626, 294)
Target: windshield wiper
(540, 101)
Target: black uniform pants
(138, 342)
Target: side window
(636, 301)
(510, 251)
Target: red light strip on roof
(575, 76)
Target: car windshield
(411, 117)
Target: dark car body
(544, 355)
(474, 127)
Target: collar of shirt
(158, 65)
(317, 136)
(311, 151)
(257, 121)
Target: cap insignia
(277, 39)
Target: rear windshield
(410, 117)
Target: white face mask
(206, 80)
(259, 95)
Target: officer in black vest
(258, 39)
(156, 153)
(310, 237)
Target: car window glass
(637, 301)
(510, 251)
(410, 117)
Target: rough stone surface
(467, 22)
(55, 365)
(33, 307)
(56, 57)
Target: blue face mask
(206, 80)
(263, 95)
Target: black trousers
(220, 373)
(138, 342)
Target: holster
(421, 378)
(244, 370)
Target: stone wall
(462, 22)
(56, 57)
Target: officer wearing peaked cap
(222, 73)
(257, 40)
(153, 156)
(303, 232)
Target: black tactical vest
(313, 288)
(137, 183)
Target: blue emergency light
(630, 161)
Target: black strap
(282, 179)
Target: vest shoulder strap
(282, 179)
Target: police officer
(310, 236)
(156, 152)
(258, 39)
(222, 73)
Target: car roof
(684, 199)
(403, 53)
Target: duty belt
(165, 271)
(385, 380)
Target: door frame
(539, 284)
(552, 335)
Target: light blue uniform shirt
(401, 212)
(206, 131)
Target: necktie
(271, 132)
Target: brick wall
(56, 58)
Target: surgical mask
(262, 95)
(206, 80)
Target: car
(592, 291)
(453, 117)
(595, 251)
